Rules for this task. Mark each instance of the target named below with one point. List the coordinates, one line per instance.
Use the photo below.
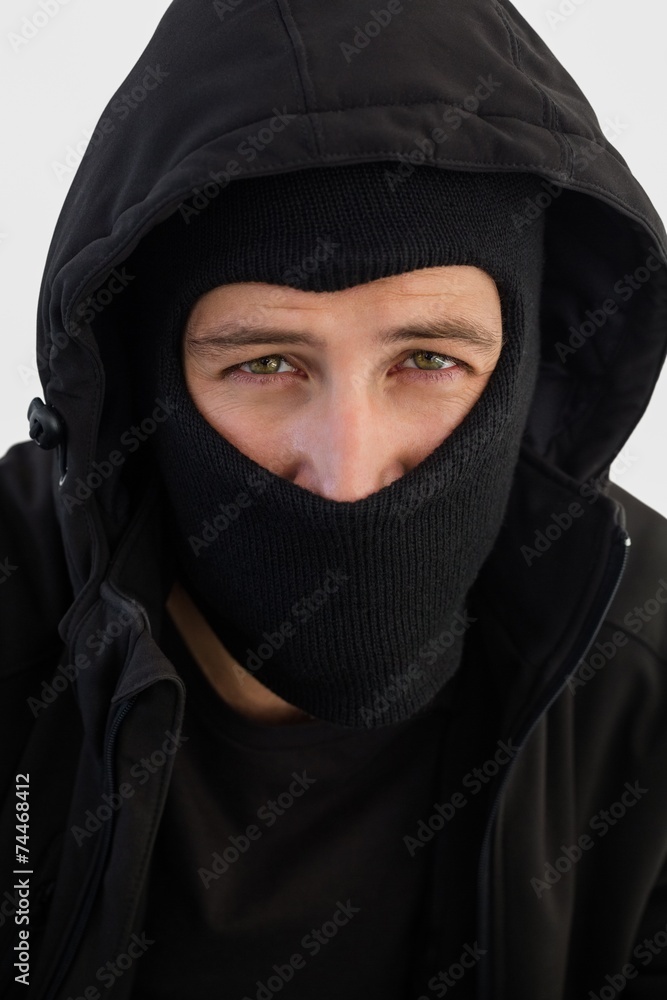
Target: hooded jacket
(571, 893)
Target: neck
(236, 686)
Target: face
(343, 392)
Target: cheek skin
(439, 416)
(249, 420)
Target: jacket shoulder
(640, 604)
(35, 587)
(644, 523)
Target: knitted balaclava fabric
(353, 611)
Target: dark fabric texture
(273, 832)
(391, 571)
(572, 619)
(380, 821)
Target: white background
(56, 86)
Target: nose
(351, 446)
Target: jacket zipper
(485, 986)
(100, 859)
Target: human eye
(270, 362)
(426, 365)
(438, 366)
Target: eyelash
(239, 376)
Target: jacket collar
(548, 581)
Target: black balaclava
(353, 611)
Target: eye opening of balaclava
(353, 611)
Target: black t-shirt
(282, 864)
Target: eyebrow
(232, 334)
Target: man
(350, 655)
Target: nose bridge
(352, 450)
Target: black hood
(231, 90)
